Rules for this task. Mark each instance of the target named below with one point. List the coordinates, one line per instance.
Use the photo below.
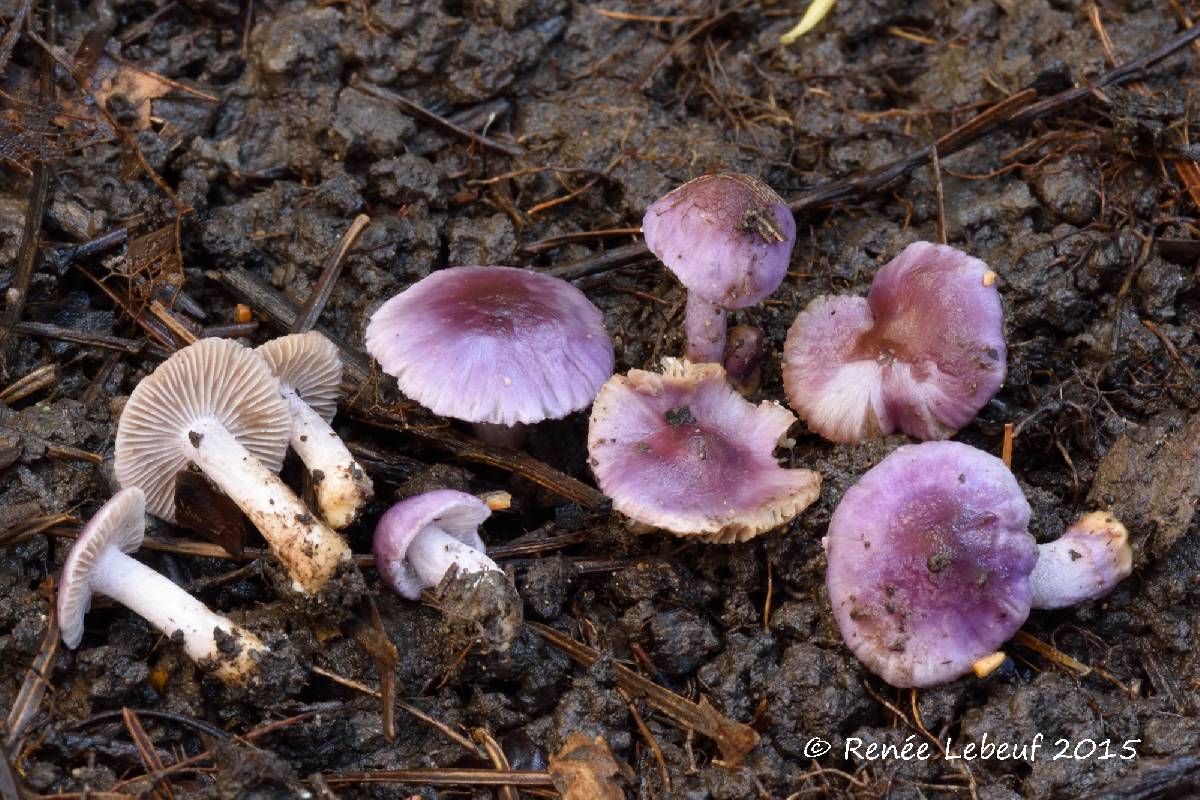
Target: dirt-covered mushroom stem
(216, 406)
(309, 369)
(1085, 563)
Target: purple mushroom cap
(922, 353)
(684, 452)
(457, 514)
(727, 237)
(929, 562)
(493, 345)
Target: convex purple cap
(495, 345)
(684, 452)
(922, 353)
(728, 238)
(929, 562)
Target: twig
(692, 34)
(938, 193)
(307, 316)
(33, 688)
(1006, 449)
(422, 113)
(523, 778)
(496, 755)
(734, 739)
(1171, 351)
(129, 347)
(43, 377)
(146, 751)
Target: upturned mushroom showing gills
(496, 346)
(922, 353)
(1085, 563)
(309, 370)
(98, 564)
(215, 405)
(929, 562)
(728, 238)
(422, 541)
(684, 452)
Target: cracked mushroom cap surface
(308, 364)
(929, 562)
(922, 353)
(495, 345)
(727, 237)
(684, 452)
(215, 379)
(119, 523)
(456, 513)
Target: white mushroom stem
(705, 326)
(169, 609)
(342, 486)
(308, 550)
(1085, 563)
(433, 552)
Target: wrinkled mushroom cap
(727, 237)
(216, 379)
(309, 365)
(120, 523)
(923, 353)
(684, 452)
(456, 513)
(929, 562)
(495, 345)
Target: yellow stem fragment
(816, 11)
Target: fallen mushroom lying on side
(499, 347)
(728, 238)
(684, 452)
(922, 353)
(932, 567)
(98, 564)
(422, 540)
(215, 404)
(309, 370)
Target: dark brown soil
(1085, 216)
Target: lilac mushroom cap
(929, 562)
(684, 452)
(495, 345)
(419, 539)
(922, 353)
(1085, 563)
(728, 238)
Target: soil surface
(591, 115)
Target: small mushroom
(309, 370)
(745, 351)
(419, 539)
(496, 346)
(215, 405)
(431, 541)
(929, 562)
(728, 238)
(684, 452)
(922, 353)
(1086, 562)
(98, 564)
